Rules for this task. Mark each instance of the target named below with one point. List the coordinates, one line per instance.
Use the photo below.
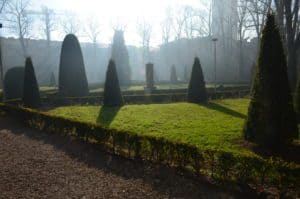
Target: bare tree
(244, 25)
(288, 18)
(258, 10)
(178, 24)
(3, 4)
(92, 29)
(189, 21)
(166, 26)
(70, 23)
(19, 21)
(118, 24)
(185, 21)
(203, 27)
(144, 29)
(48, 23)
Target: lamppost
(215, 60)
(1, 64)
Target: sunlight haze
(110, 13)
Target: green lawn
(217, 125)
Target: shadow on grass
(223, 109)
(107, 115)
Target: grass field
(217, 125)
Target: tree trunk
(292, 67)
(1, 65)
(24, 50)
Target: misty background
(163, 32)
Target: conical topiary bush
(112, 95)
(72, 76)
(271, 119)
(119, 54)
(13, 83)
(196, 90)
(31, 93)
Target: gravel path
(34, 164)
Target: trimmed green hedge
(139, 99)
(92, 99)
(220, 165)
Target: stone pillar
(149, 77)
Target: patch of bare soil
(34, 164)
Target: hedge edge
(219, 165)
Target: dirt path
(38, 165)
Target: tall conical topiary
(173, 75)
(72, 76)
(13, 83)
(31, 93)
(196, 90)
(112, 95)
(271, 119)
(120, 56)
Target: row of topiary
(21, 82)
(73, 81)
(220, 165)
(112, 95)
(72, 77)
(271, 116)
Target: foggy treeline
(185, 32)
(180, 53)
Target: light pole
(215, 61)
(1, 64)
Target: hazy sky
(109, 12)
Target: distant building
(225, 19)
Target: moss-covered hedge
(220, 165)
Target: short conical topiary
(112, 95)
(72, 76)
(31, 93)
(196, 90)
(271, 119)
(13, 83)
(173, 76)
